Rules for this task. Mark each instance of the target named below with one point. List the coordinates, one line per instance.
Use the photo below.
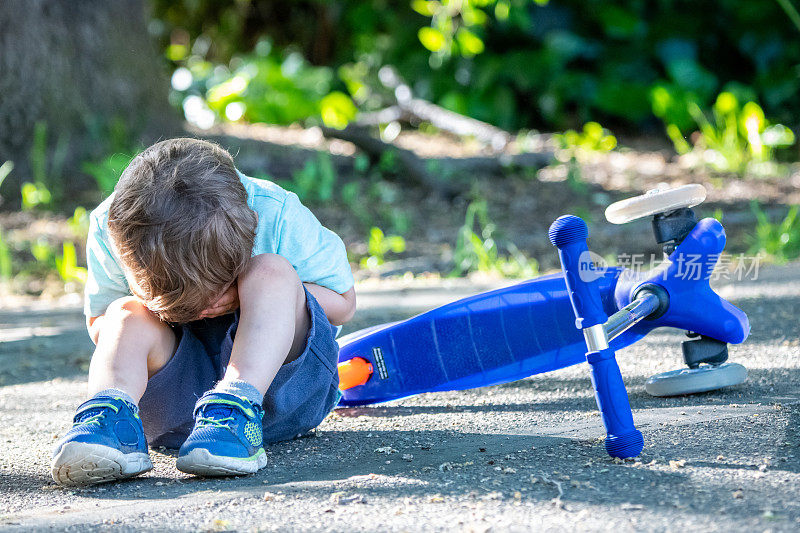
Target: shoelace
(95, 418)
(218, 423)
(209, 420)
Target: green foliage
(514, 63)
(265, 86)
(34, 195)
(477, 249)
(594, 138)
(47, 167)
(78, 223)
(455, 25)
(6, 259)
(67, 264)
(107, 171)
(735, 136)
(46, 256)
(372, 198)
(43, 252)
(315, 182)
(352, 195)
(378, 245)
(777, 241)
(40, 258)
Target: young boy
(212, 299)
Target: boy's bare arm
(93, 325)
(339, 308)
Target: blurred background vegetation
(628, 64)
(363, 107)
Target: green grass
(477, 248)
(379, 245)
(731, 137)
(776, 241)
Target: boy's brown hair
(181, 224)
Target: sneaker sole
(201, 462)
(81, 463)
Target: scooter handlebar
(569, 234)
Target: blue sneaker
(226, 439)
(106, 443)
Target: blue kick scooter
(584, 314)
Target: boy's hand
(227, 303)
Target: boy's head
(181, 224)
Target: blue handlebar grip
(569, 234)
(623, 439)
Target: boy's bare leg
(132, 345)
(273, 323)
(107, 441)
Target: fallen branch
(498, 163)
(372, 146)
(409, 108)
(419, 171)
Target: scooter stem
(568, 233)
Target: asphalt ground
(515, 457)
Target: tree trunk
(83, 75)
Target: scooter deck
(493, 337)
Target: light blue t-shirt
(285, 227)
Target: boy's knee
(269, 268)
(130, 311)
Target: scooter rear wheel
(693, 380)
(654, 202)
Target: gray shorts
(301, 395)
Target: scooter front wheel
(693, 380)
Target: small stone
(341, 498)
(408, 457)
(680, 463)
(388, 450)
(738, 494)
(632, 507)
(220, 525)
